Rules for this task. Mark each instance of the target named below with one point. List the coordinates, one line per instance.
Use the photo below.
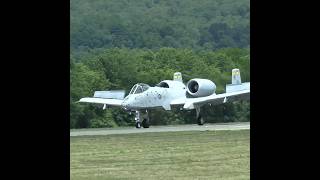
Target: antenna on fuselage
(177, 76)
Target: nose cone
(126, 104)
(130, 102)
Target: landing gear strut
(145, 119)
(137, 119)
(200, 120)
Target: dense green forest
(209, 24)
(121, 68)
(117, 43)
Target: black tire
(200, 120)
(145, 123)
(138, 124)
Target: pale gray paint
(143, 96)
(205, 87)
(115, 94)
(237, 87)
(236, 78)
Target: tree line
(121, 68)
(117, 43)
(152, 24)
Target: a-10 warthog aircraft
(172, 93)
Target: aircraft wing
(110, 102)
(110, 98)
(215, 99)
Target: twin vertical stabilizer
(236, 84)
(177, 76)
(236, 78)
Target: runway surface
(169, 128)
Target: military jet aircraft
(172, 93)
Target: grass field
(162, 155)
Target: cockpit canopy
(139, 88)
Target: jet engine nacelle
(201, 87)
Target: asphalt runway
(168, 128)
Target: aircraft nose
(125, 104)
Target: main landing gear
(145, 119)
(200, 120)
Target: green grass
(164, 155)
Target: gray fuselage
(155, 97)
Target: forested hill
(152, 24)
(117, 43)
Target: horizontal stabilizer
(237, 87)
(115, 94)
(109, 102)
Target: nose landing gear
(145, 119)
(137, 119)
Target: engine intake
(201, 87)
